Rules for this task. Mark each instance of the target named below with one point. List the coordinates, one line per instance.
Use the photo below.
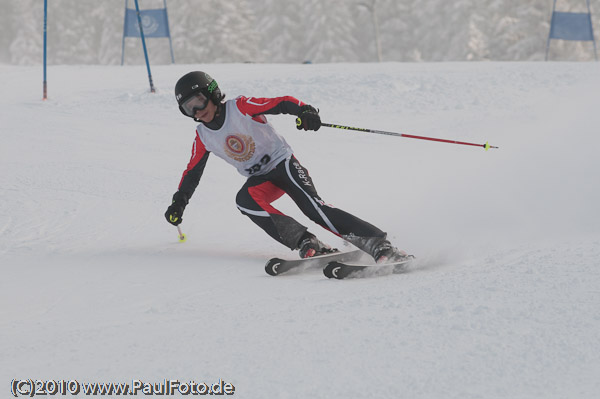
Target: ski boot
(310, 246)
(386, 253)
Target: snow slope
(505, 299)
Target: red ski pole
(410, 136)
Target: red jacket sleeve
(255, 106)
(195, 168)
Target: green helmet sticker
(212, 86)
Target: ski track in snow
(503, 301)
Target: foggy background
(286, 31)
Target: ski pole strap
(486, 146)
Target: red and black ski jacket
(253, 106)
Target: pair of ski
(338, 265)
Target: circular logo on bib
(239, 147)
(235, 144)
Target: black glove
(174, 213)
(308, 118)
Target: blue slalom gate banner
(154, 24)
(573, 26)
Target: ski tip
(272, 266)
(331, 270)
(335, 270)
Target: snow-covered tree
(90, 31)
(27, 44)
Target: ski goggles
(195, 103)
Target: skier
(237, 131)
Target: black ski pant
(290, 177)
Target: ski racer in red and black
(238, 132)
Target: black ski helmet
(197, 82)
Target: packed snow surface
(504, 301)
